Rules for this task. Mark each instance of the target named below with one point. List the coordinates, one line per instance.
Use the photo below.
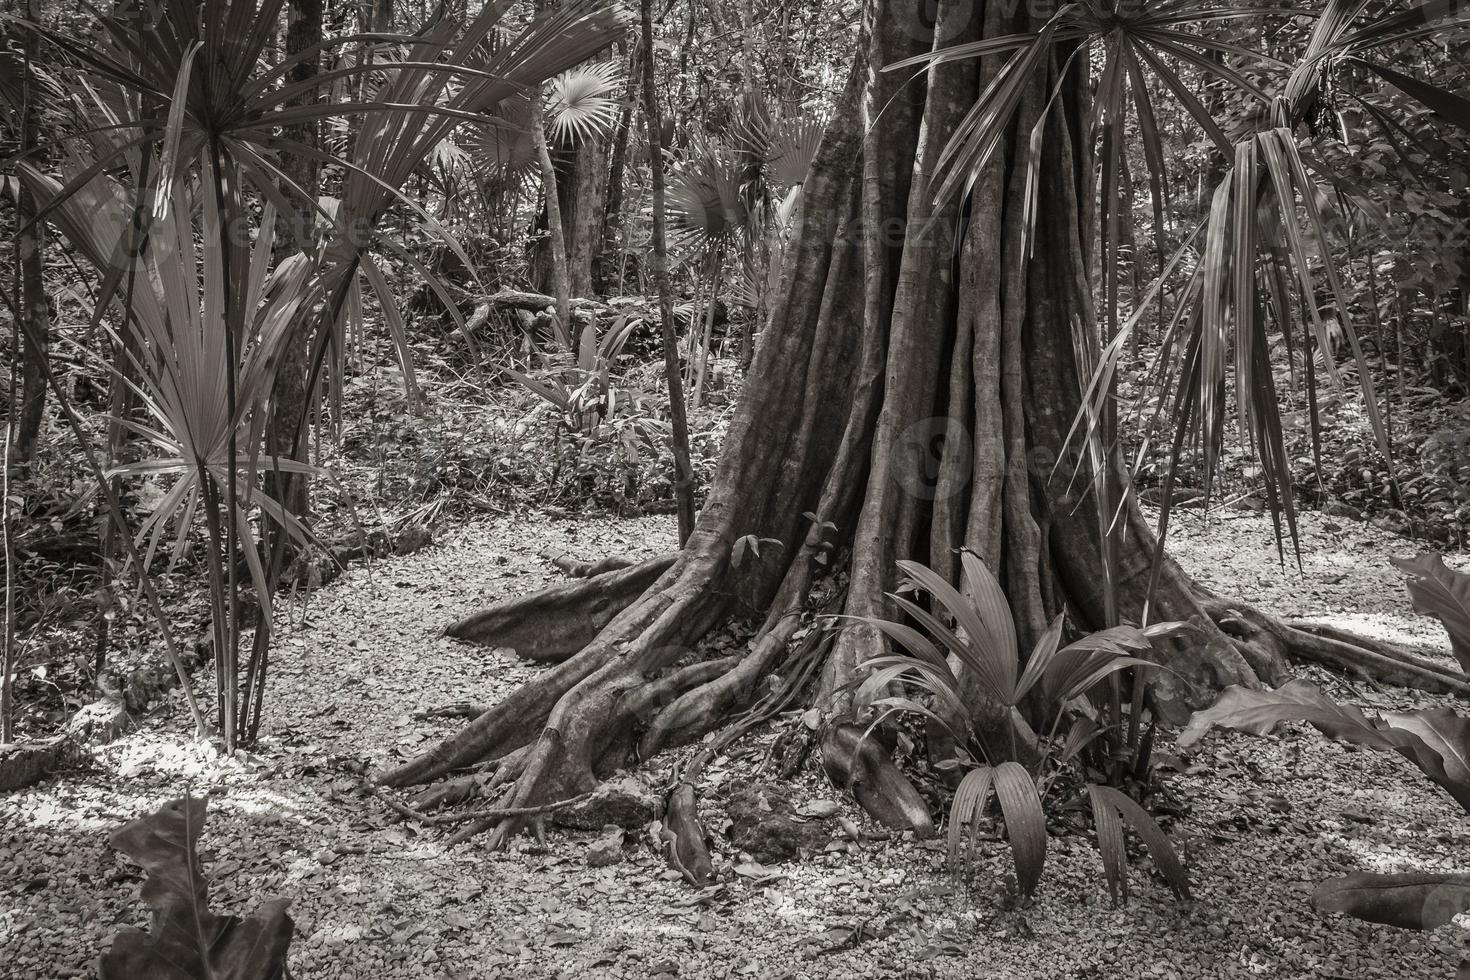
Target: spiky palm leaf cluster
(728, 190)
(583, 104)
(177, 308)
(1251, 260)
(171, 190)
(706, 197)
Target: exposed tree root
(451, 792)
(1338, 649)
(684, 836)
(575, 568)
(862, 766)
(1400, 651)
(459, 709)
(26, 763)
(551, 625)
(684, 839)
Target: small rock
(820, 809)
(607, 850)
(1391, 523)
(1337, 508)
(100, 722)
(764, 825)
(413, 538)
(628, 803)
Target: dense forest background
(844, 372)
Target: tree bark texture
(35, 306)
(294, 233)
(581, 190)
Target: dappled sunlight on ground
(1262, 822)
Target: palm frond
(583, 103)
(1111, 810)
(790, 149)
(706, 197)
(1020, 805)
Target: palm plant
(575, 107)
(392, 143)
(787, 147)
(582, 104)
(582, 391)
(964, 662)
(186, 105)
(739, 196)
(609, 425)
(711, 213)
(205, 397)
(579, 105)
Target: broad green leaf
(1435, 740)
(1111, 845)
(970, 798)
(1147, 829)
(1025, 823)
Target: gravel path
(373, 897)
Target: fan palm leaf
(583, 103)
(706, 199)
(181, 372)
(791, 147)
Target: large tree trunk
(914, 399)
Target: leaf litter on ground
(1263, 821)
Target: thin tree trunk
(613, 231)
(7, 637)
(290, 399)
(582, 189)
(683, 477)
(561, 286)
(35, 307)
(586, 196)
(294, 233)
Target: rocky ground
(1260, 821)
